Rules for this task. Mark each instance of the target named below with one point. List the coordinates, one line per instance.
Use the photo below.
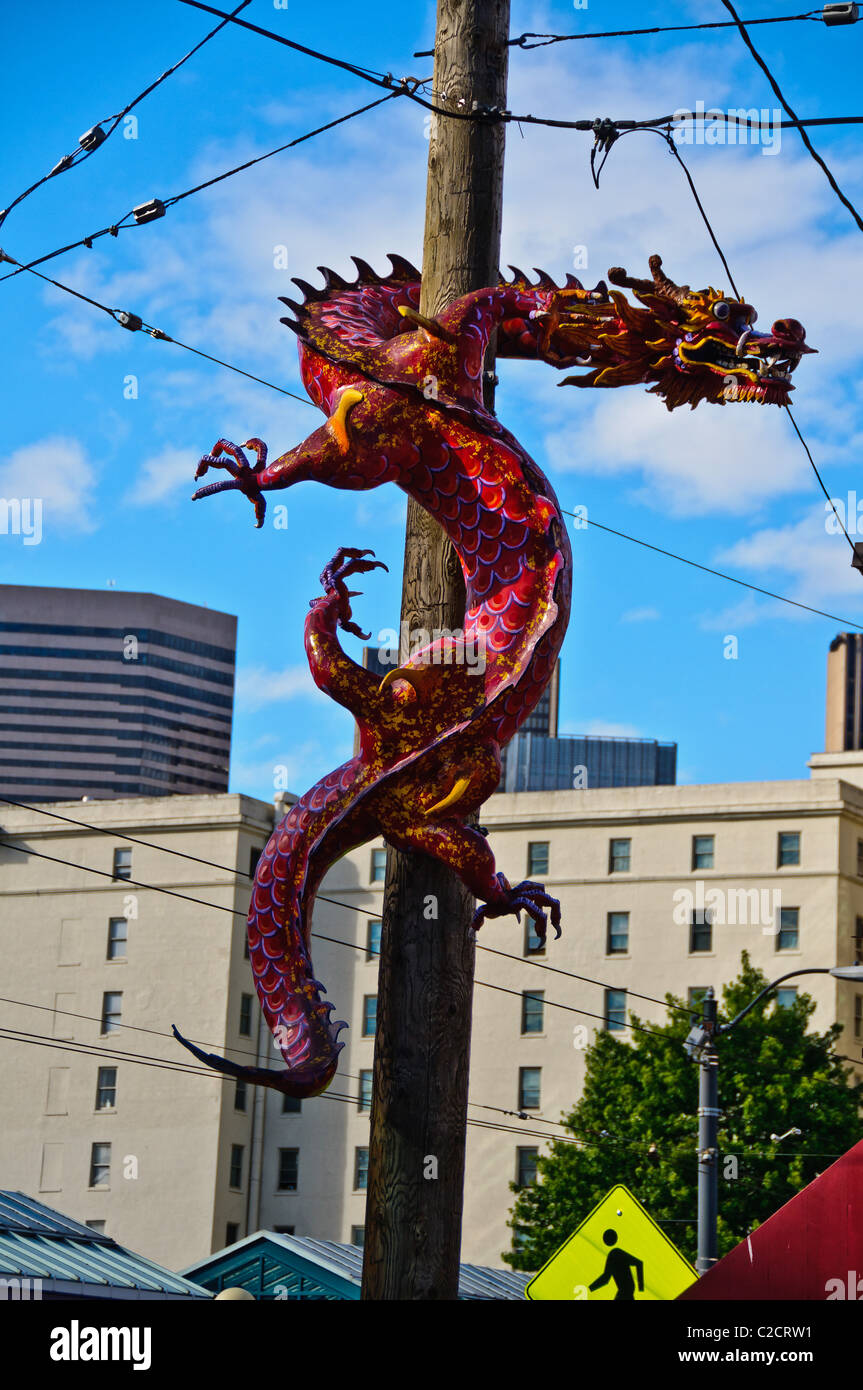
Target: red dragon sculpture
(404, 404)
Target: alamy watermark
(744, 907)
(21, 516)
(446, 647)
(736, 126)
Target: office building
(112, 694)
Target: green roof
(275, 1266)
(38, 1243)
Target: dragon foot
(244, 476)
(347, 561)
(521, 897)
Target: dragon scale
(403, 399)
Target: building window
(239, 1094)
(358, 1236)
(858, 1016)
(788, 936)
(379, 865)
(373, 940)
(860, 858)
(370, 1015)
(858, 941)
(236, 1175)
(525, 1166)
(232, 1233)
(106, 1088)
(537, 859)
(291, 1106)
(786, 996)
(284, 1230)
(529, 1079)
(615, 1010)
(700, 930)
(361, 1169)
(254, 855)
(534, 945)
(532, 1011)
(694, 998)
(789, 848)
(702, 851)
(245, 1025)
(246, 947)
(98, 1227)
(122, 863)
(118, 933)
(100, 1165)
(112, 1011)
(289, 1169)
(364, 1101)
(617, 933)
(619, 852)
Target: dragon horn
(659, 285)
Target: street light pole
(708, 1140)
(702, 1042)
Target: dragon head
(692, 345)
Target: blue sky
(731, 487)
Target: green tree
(636, 1123)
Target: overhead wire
(319, 897)
(548, 39)
(803, 136)
(123, 224)
(84, 152)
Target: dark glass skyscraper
(110, 694)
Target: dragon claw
(348, 560)
(526, 896)
(244, 476)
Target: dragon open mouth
(763, 375)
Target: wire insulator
(148, 212)
(92, 138)
(840, 14)
(127, 320)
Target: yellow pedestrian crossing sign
(618, 1253)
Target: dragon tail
(289, 994)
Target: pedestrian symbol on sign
(617, 1267)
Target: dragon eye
(721, 310)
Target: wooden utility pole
(425, 990)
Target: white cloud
(166, 477)
(728, 459)
(599, 728)
(640, 615)
(57, 470)
(256, 686)
(818, 561)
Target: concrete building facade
(105, 693)
(661, 889)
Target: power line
(96, 136)
(718, 574)
(319, 897)
(803, 136)
(156, 207)
(320, 936)
(135, 323)
(410, 86)
(548, 39)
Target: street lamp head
(698, 1038)
(847, 972)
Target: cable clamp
(840, 14)
(92, 138)
(61, 165)
(127, 320)
(148, 212)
